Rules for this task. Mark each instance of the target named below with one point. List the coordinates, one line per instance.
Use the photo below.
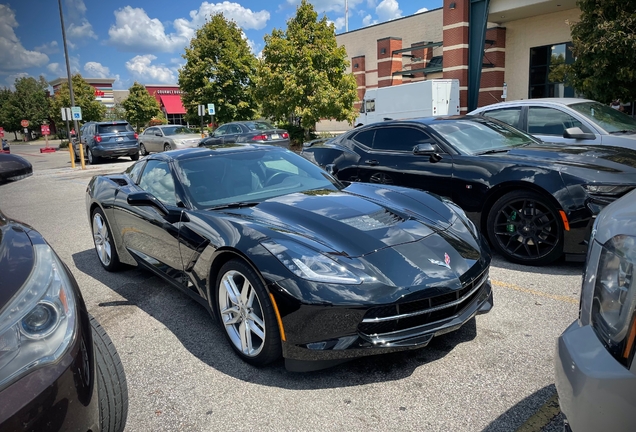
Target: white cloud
(339, 23)
(388, 10)
(96, 70)
(323, 6)
(371, 4)
(59, 70)
(48, 48)
(135, 31)
(13, 56)
(421, 10)
(10, 80)
(81, 31)
(78, 28)
(368, 20)
(141, 68)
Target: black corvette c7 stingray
(290, 260)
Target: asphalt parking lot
(494, 374)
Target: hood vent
(373, 221)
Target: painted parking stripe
(563, 298)
(542, 417)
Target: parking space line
(566, 299)
(542, 417)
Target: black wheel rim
(527, 229)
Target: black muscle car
(535, 201)
(290, 260)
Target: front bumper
(348, 345)
(595, 391)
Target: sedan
(257, 131)
(595, 364)
(14, 167)
(167, 137)
(566, 120)
(59, 370)
(289, 260)
(535, 201)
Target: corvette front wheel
(246, 314)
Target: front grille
(402, 316)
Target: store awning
(172, 104)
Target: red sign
(24, 123)
(99, 93)
(45, 130)
(1, 132)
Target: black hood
(16, 258)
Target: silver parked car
(566, 120)
(595, 366)
(167, 137)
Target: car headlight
(461, 214)
(608, 296)
(37, 326)
(610, 190)
(309, 264)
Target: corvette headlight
(310, 264)
(39, 323)
(461, 214)
(610, 190)
(609, 295)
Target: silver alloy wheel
(166, 147)
(242, 313)
(142, 150)
(89, 154)
(102, 239)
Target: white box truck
(436, 97)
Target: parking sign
(76, 113)
(211, 109)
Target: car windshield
(176, 130)
(476, 136)
(259, 125)
(249, 176)
(114, 128)
(608, 118)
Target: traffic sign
(76, 113)
(45, 130)
(1, 132)
(211, 109)
(201, 110)
(24, 123)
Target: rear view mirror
(425, 149)
(577, 133)
(139, 199)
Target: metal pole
(68, 68)
(346, 16)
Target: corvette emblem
(445, 263)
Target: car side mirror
(331, 169)
(426, 149)
(139, 199)
(577, 133)
(158, 134)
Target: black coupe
(290, 260)
(536, 201)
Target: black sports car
(14, 167)
(535, 200)
(289, 259)
(253, 132)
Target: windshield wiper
(493, 151)
(624, 131)
(235, 205)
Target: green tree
(92, 109)
(303, 72)
(29, 101)
(8, 120)
(140, 106)
(219, 69)
(605, 50)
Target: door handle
(371, 162)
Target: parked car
(5, 148)
(58, 368)
(107, 140)
(289, 260)
(14, 167)
(535, 201)
(255, 132)
(566, 120)
(595, 366)
(167, 137)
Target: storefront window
(547, 71)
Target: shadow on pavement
(522, 411)
(203, 337)
(558, 268)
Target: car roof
(112, 122)
(537, 101)
(168, 125)
(419, 120)
(197, 152)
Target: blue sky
(143, 40)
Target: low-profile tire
(92, 159)
(246, 314)
(526, 228)
(103, 240)
(112, 389)
(166, 147)
(142, 149)
(134, 157)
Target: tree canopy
(605, 50)
(29, 101)
(303, 72)
(140, 106)
(219, 69)
(92, 109)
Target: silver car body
(595, 367)
(158, 138)
(547, 119)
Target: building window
(547, 71)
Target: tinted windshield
(607, 118)
(176, 130)
(474, 136)
(259, 125)
(114, 128)
(249, 176)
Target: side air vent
(379, 219)
(120, 181)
